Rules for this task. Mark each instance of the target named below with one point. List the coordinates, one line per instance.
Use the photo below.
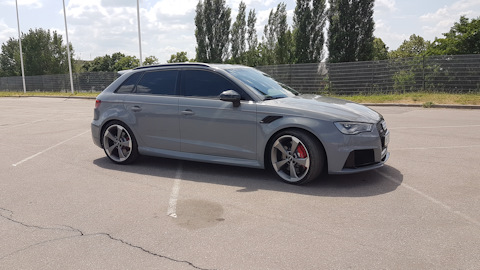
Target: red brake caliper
(302, 153)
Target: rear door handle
(188, 112)
(136, 108)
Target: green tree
(350, 31)
(125, 62)
(283, 48)
(10, 59)
(408, 59)
(179, 57)
(301, 22)
(43, 53)
(319, 16)
(269, 40)
(277, 46)
(380, 49)
(414, 46)
(463, 38)
(212, 22)
(309, 22)
(116, 62)
(239, 30)
(201, 34)
(252, 56)
(150, 60)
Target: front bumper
(358, 153)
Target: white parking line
(21, 125)
(172, 203)
(464, 126)
(50, 148)
(435, 201)
(436, 147)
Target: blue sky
(99, 27)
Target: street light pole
(139, 32)
(21, 53)
(68, 48)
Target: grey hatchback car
(235, 115)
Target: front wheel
(119, 143)
(296, 157)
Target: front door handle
(188, 112)
(136, 108)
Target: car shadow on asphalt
(364, 184)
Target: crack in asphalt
(81, 234)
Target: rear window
(128, 85)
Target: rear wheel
(296, 157)
(119, 143)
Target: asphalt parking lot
(64, 205)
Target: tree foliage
(150, 60)
(301, 21)
(43, 53)
(10, 59)
(380, 49)
(309, 22)
(463, 38)
(414, 46)
(179, 57)
(116, 62)
(350, 31)
(212, 30)
(277, 46)
(252, 55)
(319, 16)
(239, 30)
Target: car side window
(200, 83)
(162, 82)
(129, 84)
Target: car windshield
(262, 83)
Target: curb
(438, 106)
(64, 97)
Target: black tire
(119, 143)
(298, 166)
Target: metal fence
(82, 82)
(453, 74)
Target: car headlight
(352, 128)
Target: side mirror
(231, 96)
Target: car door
(154, 109)
(213, 127)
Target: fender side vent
(269, 119)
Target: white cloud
(443, 19)
(173, 8)
(118, 3)
(34, 4)
(97, 29)
(7, 32)
(389, 5)
(383, 30)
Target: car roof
(184, 64)
(188, 64)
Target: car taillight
(97, 103)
